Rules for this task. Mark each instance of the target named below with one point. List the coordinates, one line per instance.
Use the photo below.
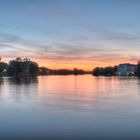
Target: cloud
(72, 50)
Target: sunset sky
(70, 33)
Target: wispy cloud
(70, 32)
(69, 50)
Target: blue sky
(82, 33)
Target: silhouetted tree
(44, 71)
(33, 68)
(138, 69)
(107, 71)
(3, 68)
(14, 68)
(23, 67)
(78, 71)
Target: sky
(70, 33)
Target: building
(127, 69)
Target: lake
(70, 108)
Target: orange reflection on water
(77, 90)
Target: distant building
(127, 69)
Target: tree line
(19, 68)
(27, 68)
(105, 71)
(112, 71)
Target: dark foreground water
(70, 108)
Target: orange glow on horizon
(85, 65)
(71, 64)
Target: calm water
(70, 107)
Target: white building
(127, 69)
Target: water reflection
(19, 81)
(70, 107)
(1, 81)
(12, 89)
(25, 81)
(86, 93)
